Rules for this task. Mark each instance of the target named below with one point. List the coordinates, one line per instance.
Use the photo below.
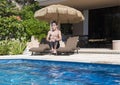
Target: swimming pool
(37, 72)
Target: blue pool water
(35, 72)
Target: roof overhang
(82, 4)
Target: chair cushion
(63, 49)
(41, 48)
(46, 46)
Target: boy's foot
(54, 52)
(51, 51)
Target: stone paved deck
(93, 56)
(99, 51)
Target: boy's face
(54, 26)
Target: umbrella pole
(59, 25)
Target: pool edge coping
(84, 58)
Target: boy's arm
(60, 36)
(48, 35)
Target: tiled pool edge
(86, 58)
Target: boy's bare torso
(54, 35)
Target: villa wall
(81, 28)
(90, 27)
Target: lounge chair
(43, 47)
(70, 47)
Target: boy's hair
(54, 22)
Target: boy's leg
(52, 46)
(55, 46)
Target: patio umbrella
(59, 13)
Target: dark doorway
(66, 29)
(104, 26)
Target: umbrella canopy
(59, 13)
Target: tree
(21, 3)
(10, 27)
(19, 24)
(33, 27)
(7, 9)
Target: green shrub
(19, 24)
(32, 26)
(17, 47)
(4, 47)
(12, 47)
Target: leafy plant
(33, 27)
(12, 47)
(7, 9)
(17, 47)
(10, 27)
(19, 25)
(4, 47)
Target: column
(85, 22)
